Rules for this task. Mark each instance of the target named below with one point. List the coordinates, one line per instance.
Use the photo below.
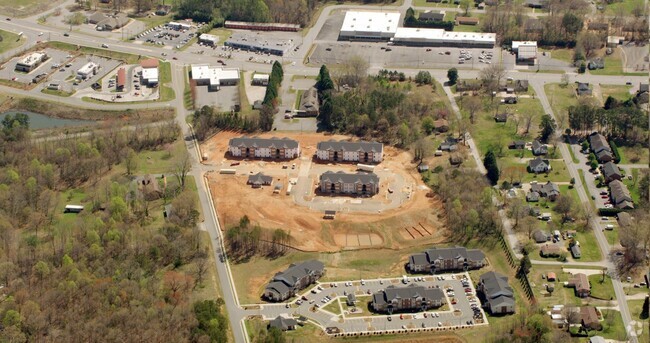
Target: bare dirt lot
(310, 232)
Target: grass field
(625, 7)
(565, 55)
(601, 290)
(636, 307)
(222, 33)
(299, 92)
(155, 20)
(56, 92)
(558, 173)
(613, 327)
(612, 236)
(188, 101)
(634, 155)
(22, 8)
(128, 58)
(166, 90)
(560, 98)
(613, 64)
(10, 41)
(618, 92)
(588, 247)
(561, 294)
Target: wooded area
(117, 271)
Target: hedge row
(609, 212)
(617, 155)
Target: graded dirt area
(309, 231)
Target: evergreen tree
(325, 82)
(525, 265)
(645, 310)
(547, 126)
(452, 75)
(490, 163)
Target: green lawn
(588, 247)
(56, 92)
(222, 33)
(10, 41)
(333, 307)
(108, 53)
(298, 98)
(166, 90)
(618, 92)
(188, 101)
(565, 55)
(561, 294)
(424, 3)
(612, 236)
(159, 161)
(601, 290)
(22, 8)
(633, 187)
(634, 155)
(625, 7)
(613, 64)
(613, 327)
(635, 312)
(155, 20)
(558, 173)
(560, 98)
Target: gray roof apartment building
(287, 283)
(499, 297)
(347, 183)
(342, 151)
(409, 298)
(600, 147)
(437, 260)
(254, 147)
(620, 195)
(611, 172)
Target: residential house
(642, 95)
(534, 211)
(112, 22)
(437, 260)
(589, 318)
(258, 180)
(583, 89)
(346, 183)
(596, 63)
(539, 165)
(539, 148)
(309, 103)
(510, 100)
(547, 190)
(283, 323)
(253, 147)
(521, 85)
(96, 17)
(287, 283)
(341, 151)
(540, 236)
(575, 251)
(550, 250)
(149, 187)
(518, 145)
(499, 297)
(600, 147)
(432, 15)
(532, 196)
(501, 117)
(611, 172)
(620, 195)
(449, 144)
(580, 282)
(536, 3)
(624, 219)
(409, 298)
(455, 159)
(441, 125)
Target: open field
(10, 41)
(558, 173)
(625, 7)
(561, 98)
(613, 327)
(619, 92)
(127, 58)
(565, 55)
(588, 246)
(634, 155)
(601, 289)
(561, 295)
(23, 8)
(308, 229)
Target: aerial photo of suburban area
(311, 171)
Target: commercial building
(112, 22)
(214, 77)
(366, 25)
(179, 26)
(31, 61)
(437, 260)
(346, 183)
(409, 298)
(150, 71)
(245, 25)
(438, 37)
(87, 71)
(120, 79)
(260, 79)
(498, 295)
(526, 51)
(287, 283)
(257, 43)
(209, 39)
(340, 151)
(253, 147)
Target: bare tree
(491, 78)
(472, 104)
(528, 121)
(182, 168)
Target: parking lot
(66, 74)
(168, 36)
(224, 99)
(56, 58)
(458, 312)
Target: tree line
(111, 273)
(624, 122)
(246, 240)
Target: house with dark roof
(501, 117)
(283, 323)
(96, 17)
(441, 125)
(342, 151)
(521, 85)
(350, 299)
(550, 250)
(112, 22)
(589, 318)
(539, 149)
(410, 298)
(532, 196)
(539, 165)
(438, 260)
(620, 195)
(540, 236)
(611, 172)
(580, 282)
(498, 295)
(258, 180)
(432, 15)
(575, 251)
(600, 147)
(308, 103)
(518, 145)
(536, 3)
(349, 183)
(254, 147)
(547, 190)
(287, 283)
(583, 89)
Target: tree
(571, 25)
(491, 78)
(593, 164)
(547, 127)
(465, 5)
(325, 82)
(589, 42)
(423, 78)
(564, 206)
(490, 163)
(130, 161)
(452, 75)
(182, 168)
(645, 310)
(75, 19)
(472, 104)
(585, 145)
(525, 265)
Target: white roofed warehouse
(214, 77)
(366, 25)
(439, 37)
(526, 51)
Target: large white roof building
(526, 50)
(214, 77)
(440, 37)
(369, 25)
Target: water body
(39, 121)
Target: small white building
(179, 26)
(214, 77)
(209, 39)
(31, 61)
(150, 76)
(260, 79)
(88, 70)
(367, 25)
(526, 51)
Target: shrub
(617, 155)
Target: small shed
(73, 209)
(422, 167)
(575, 251)
(329, 214)
(278, 187)
(551, 276)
